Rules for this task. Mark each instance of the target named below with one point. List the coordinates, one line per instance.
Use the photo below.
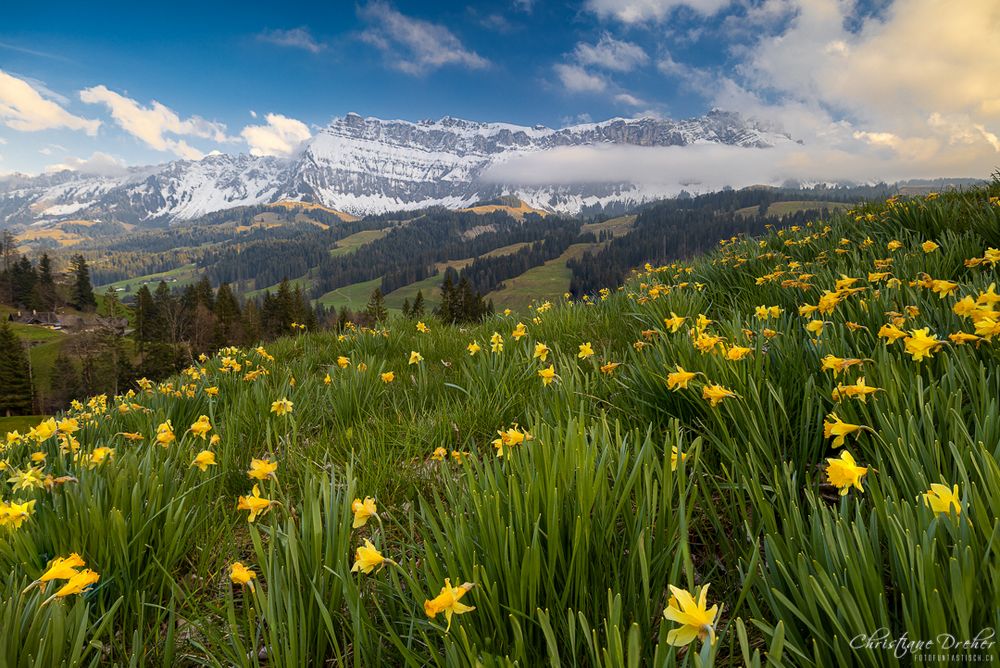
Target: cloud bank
(281, 136)
(23, 108)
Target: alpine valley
(364, 166)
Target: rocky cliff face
(364, 165)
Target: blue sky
(146, 83)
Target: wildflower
(212, 391)
(519, 331)
(679, 379)
(961, 338)
(473, 348)
(99, 456)
(388, 377)
(714, 394)
(547, 375)
(891, 334)
(610, 367)
(929, 246)
(737, 353)
(439, 454)
(31, 478)
(920, 344)
(859, 391)
(943, 288)
(422, 328)
(448, 602)
(241, 575)
(343, 362)
(14, 513)
(415, 357)
(282, 407)
(675, 457)
(836, 428)
(541, 352)
(262, 469)
(362, 511)
(76, 584)
(838, 364)
(204, 459)
(496, 343)
(815, 327)
(696, 618)
(894, 245)
(940, 499)
(988, 328)
(44, 430)
(674, 322)
(844, 473)
(367, 558)
(165, 434)
(585, 351)
(62, 568)
(509, 438)
(201, 427)
(256, 504)
(327, 380)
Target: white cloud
(2, 141)
(611, 54)
(24, 108)
(630, 100)
(98, 164)
(637, 11)
(917, 82)
(296, 38)
(414, 46)
(151, 124)
(578, 80)
(282, 136)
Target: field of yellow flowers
(754, 458)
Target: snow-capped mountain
(365, 165)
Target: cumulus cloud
(637, 11)
(412, 45)
(611, 54)
(151, 124)
(24, 108)
(281, 136)
(630, 100)
(98, 164)
(578, 80)
(295, 38)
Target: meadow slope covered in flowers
(753, 457)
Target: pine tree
(406, 308)
(417, 310)
(16, 395)
(82, 293)
(45, 289)
(145, 317)
(65, 384)
(376, 306)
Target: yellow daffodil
(929, 246)
(844, 473)
(473, 348)
(99, 456)
(448, 602)
(422, 328)
(676, 457)
(674, 322)
(282, 407)
(77, 584)
(891, 334)
(388, 376)
(609, 367)
(165, 434)
(834, 427)
(859, 390)
(547, 375)
(921, 345)
(30, 478)
(363, 510)
(415, 357)
(679, 379)
(262, 469)
(697, 620)
(439, 454)
(541, 352)
(201, 427)
(241, 575)
(256, 504)
(367, 558)
(519, 332)
(714, 394)
(941, 499)
(204, 459)
(14, 513)
(343, 362)
(737, 353)
(586, 350)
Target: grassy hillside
(708, 440)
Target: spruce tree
(45, 289)
(65, 384)
(82, 292)
(16, 395)
(376, 306)
(417, 310)
(406, 308)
